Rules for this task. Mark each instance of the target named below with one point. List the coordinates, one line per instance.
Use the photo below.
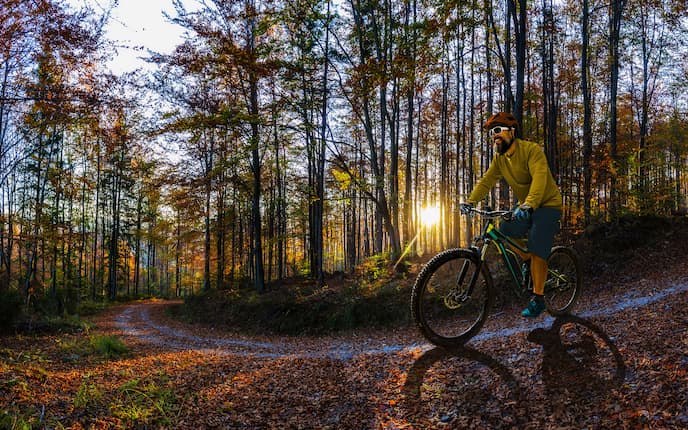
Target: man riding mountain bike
(538, 212)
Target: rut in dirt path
(136, 321)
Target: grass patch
(144, 401)
(88, 395)
(74, 346)
(14, 421)
(108, 346)
(138, 403)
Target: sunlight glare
(430, 215)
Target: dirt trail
(146, 323)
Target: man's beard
(504, 146)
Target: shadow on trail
(463, 386)
(580, 363)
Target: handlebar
(505, 215)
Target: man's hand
(466, 208)
(523, 212)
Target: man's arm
(539, 170)
(486, 183)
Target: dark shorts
(540, 230)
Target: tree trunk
(520, 27)
(408, 230)
(208, 165)
(587, 114)
(137, 246)
(617, 7)
(254, 111)
(320, 171)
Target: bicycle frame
(492, 235)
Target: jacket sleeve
(539, 171)
(486, 183)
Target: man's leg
(538, 273)
(540, 240)
(538, 270)
(525, 256)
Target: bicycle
(454, 292)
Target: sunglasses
(496, 130)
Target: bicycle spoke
(562, 286)
(450, 300)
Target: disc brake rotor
(454, 299)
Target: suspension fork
(480, 254)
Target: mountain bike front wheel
(563, 284)
(451, 297)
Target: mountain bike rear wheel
(563, 284)
(451, 297)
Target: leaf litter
(621, 363)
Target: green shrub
(48, 303)
(73, 347)
(108, 346)
(298, 307)
(10, 309)
(88, 307)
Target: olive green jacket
(527, 173)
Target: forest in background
(303, 137)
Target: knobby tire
(439, 305)
(563, 285)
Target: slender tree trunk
(279, 205)
(113, 256)
(520, 27)
(444, 159)
(137, 246)
(208, 167)
(320, 171)
(391, 77)
(32, 262)
(614, 39)
(94, 262)
(616, 9)
(550, 107)
(508, 92)
(411, 18)
(178, 257)
(587, 114)
(643, 167)
(82, 239)
(221, 234)
(254, 111)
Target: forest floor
(620, 363)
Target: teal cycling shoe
(535, 308)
